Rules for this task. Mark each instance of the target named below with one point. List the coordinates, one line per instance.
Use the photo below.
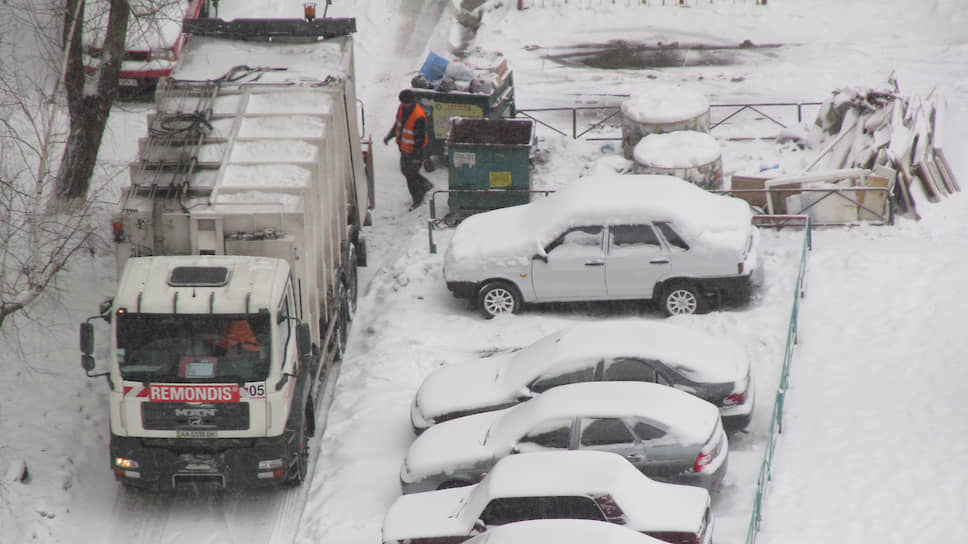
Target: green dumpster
(442, 106)
(489, 165)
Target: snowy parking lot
(872, 429)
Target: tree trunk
(88, 108)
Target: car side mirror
(479, 527)
(524, 394)
(539, 257)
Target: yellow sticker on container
(500, 179)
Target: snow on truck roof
(257, 281)
(211, 58)
(518, 232)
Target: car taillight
(117, 230)
(702, 461)
(735, 398)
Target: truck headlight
(125, 463)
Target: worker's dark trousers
(417, 184)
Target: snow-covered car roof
(696, 355)
(519, 232)
(692, 417)
(645, 502)
(562, 531)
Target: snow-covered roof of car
(515, 234)
(587, 472)
(561, 531)
(692, 418)
(696, 355)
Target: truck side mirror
(87, 340)
(87, 362)
(304, 342)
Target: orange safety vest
(405, 136)
(239, 333)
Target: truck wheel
(498, 298)
(682, 298)
(300, 462)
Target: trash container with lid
(489, 165)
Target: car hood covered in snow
(464, 387)
(427, 515)
(459, 443)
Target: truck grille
(166, 416)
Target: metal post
(430, 237)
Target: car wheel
(498, 298)
(682, 298)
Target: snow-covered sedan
(610, 237)
(668, 434)
(561, 531)
(586, 485)
(696, 362)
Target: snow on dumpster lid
(679, 149)
(664, 104)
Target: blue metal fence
(776, 419)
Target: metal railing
(455, 216)
(776, 419)
(601, 115)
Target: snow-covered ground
(873, 432)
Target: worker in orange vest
(410, 130)
(237, 336)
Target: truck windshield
(193, 348)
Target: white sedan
(668, 434)
(607, 238)
(709, 367)
(585, 485)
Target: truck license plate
(196, 434)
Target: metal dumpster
(442, 106)
(490, 165)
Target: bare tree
(88, 105)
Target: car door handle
(659, 260)
(595, 263)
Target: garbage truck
(237, 244)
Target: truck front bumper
(167, 463)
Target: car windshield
(193, 348)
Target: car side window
(672, 236)
(647, 432)
(605, 432)
(637, 238)
(624, 369)
(545, 383)
(578, 240)
(549, 434)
